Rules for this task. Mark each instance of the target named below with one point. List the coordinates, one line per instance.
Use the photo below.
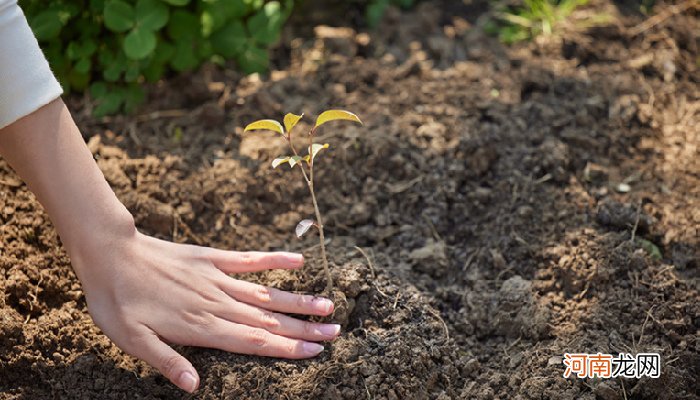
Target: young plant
(306, 166)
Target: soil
(515, 203)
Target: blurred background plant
(111, 47)
(529, 19)
(375, 9)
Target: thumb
(169, 362)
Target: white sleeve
(26, 81)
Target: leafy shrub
(110, 47)
(375, 9)
(532, 18)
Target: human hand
(145, 293)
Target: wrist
(101, 230)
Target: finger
(169, 362)
(252, 261)
(276, 323)
(277, 300)
(244, 339)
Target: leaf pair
(290, 120)
(294, 160)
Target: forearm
(47, 151)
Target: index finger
(252, 261)
(277, 300)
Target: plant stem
(321, 238)
(309, 179)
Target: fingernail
(187, 381)
(312, 348)
(324, 305)
(329, 329)
(296, 259)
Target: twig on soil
(468, 263)
(624, 392)
(543, 179)
(436, 235)
(133, 135)
(369, 395)
(396, 300)
(506, 349)
(641, 334)
(667, 13)
(371, 268)
(636, 221)
(35, 295)
(444, 325)
(369, 262)
(667, 363)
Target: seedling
(306, 166)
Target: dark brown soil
(516, 203)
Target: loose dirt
(515, 203)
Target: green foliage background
(111, 47)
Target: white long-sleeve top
(26, 81)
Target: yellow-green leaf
(265, 124)
(277, 161)
(294, 160)
(290, 120)
(315, 148)
(332, 115)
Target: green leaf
(78, 80)
(97, 6)
(333, 115)
(218, 14)
(204, 50)
(113, 65)
(253, 59)
(81, 49)
(119, 16)
(233, 10)
(230, 40)
(277, 161)
(183, 24)
(208, 21)
(139, 43)
(315, 148)
(290, 120)
(294, 160)
(133, 71)
(185, 57)
(151, 14)
(161, 56)
(652, 249)
(109, 103)
(83, 66)
(375, 11)
(46, 25)
(134, 95)
(180, 3)
(266, 24)
(265, 124)
(98, 90)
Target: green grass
(533, 18)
